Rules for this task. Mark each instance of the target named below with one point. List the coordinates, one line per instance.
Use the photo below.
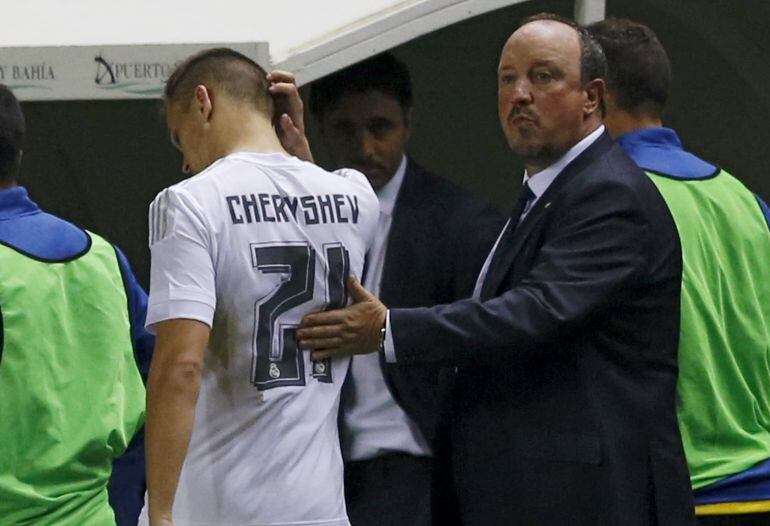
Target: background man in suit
(563, 410)
(724, 380)
(431, 242)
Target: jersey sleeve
(182, 266)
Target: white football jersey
(249, 246)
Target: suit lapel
(514, 242)
(406, 211)
(540, 210)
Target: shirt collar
(662, 137)
(388, 193)
(16, 202)
(661, 151)
(540, 182)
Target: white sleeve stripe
(158, 217)
(153, 211)
(163, 218)
(163, 215)
(162, 221)
(155, 219)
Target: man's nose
(522, 91)
(366, 144)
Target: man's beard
(542, 155)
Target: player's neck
(620, 122)
(249, 133)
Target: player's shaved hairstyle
(639, 73)
(224, 70)
(12, 130)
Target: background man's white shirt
(373, 422)
(249, 246)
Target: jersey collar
(15, 202)
(660, 150)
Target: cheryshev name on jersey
(276, 208)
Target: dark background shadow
(100, 163)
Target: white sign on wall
(102, 72)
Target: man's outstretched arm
(173, 386)
(597, 255)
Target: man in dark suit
(563, 409)
(431, 243)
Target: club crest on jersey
(274, 372)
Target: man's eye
(380, 127)
(507, 79)
(542, 76)
(345, 129)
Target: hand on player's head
(283, 88)
(289, 114)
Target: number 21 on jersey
(276, 358)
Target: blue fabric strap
(26, 228)
(659, 150)
(765, 209)
(748, 485)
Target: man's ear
(594, 96)
(203, 102)
(408, 113)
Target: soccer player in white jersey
(241, 425)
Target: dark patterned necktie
(526, 197)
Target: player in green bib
(724, 380)
(71, 394)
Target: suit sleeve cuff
(389, 348)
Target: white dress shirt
(538, 183)
(373, 422)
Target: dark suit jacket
(439, 238)
(563, 409)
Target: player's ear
(203, 101)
